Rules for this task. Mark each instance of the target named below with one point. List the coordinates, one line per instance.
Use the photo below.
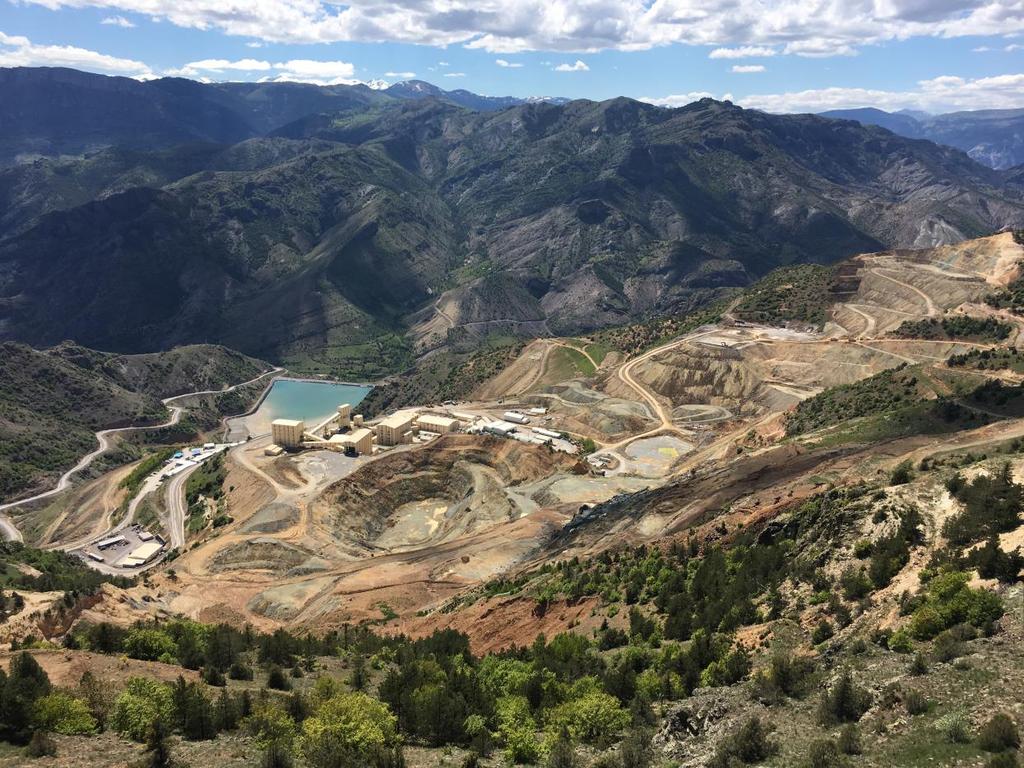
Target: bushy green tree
(149, 644)
(352, 725)
(59, 712)
(517, 729)
(592, 717)
(139, 705)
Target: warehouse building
(142, 554)
(441, 425)
(395, 429)
(287, 432)
(360, 440)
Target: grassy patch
(569, 363)
(598, 351)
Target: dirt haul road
(10, 531)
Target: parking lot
(114, 554)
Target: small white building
(500, 428)
(516, 417)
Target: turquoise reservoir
(310, 401)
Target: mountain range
(54, 111)
(337, 229)
(994, 137)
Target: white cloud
(454, 74)
(316, 72)
(579, 66)
(743, 52)
(443, 64)
(747, 69)
(402, 75)
(197, 68)
(293, 71)
(1013, 47)
(940, 94)
(508, 64)
(682, 99)
(801, 27)
(118, 21)
(254, 44)
(18, 51)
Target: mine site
(334, 516)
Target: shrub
(750, 744)
(949, 601)
(855, 583)
(955, 727)
(919, 665)
(916, 702)
(277, 680)
(786, 675)
(844, 702)
(999, 734)
(277, 755)
(849, 740)
(269, 724)
(862, 549)
(1003, 760)
(240, 672)
(947, 646)
(41, 745)
(822, 632)
(635, 750)
(900, 642)
(900, 474)
(824, 753)
(562, 753)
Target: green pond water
(310, 401)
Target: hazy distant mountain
(54, 111)
(897, 122)
(329, 240)
(418, 89)
(994, 137)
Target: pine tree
(158, 746)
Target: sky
(777, 55)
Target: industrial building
(516, 417)
(142, 554)
(359, 440)
(441, 425)
(500, 428)
(344, 416)
(287, 432)
(395, 429)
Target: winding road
(10, 531)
